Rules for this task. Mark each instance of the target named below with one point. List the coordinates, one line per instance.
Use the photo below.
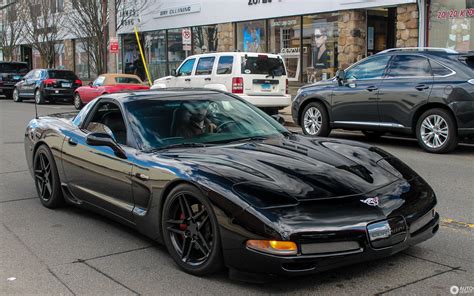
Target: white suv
(258, 78)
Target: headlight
(273, 247)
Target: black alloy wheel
(190, 231)
(47, 178)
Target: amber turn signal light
(273, 247)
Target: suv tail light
(237, 85)
(49, 82)
(78, 82)
(286, 89)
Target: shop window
(205, 39)
(176, 52)
(320, 40)
(225, 65)
(450, 25)
(251, 36)
(204, 66)
(155, 53)
(284, 39)
(132, 63)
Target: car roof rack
(436, 49)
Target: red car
(106, 84)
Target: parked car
(107, 84)
(258, 78)
(47, 85)
(425, 92)
(221, 183)
(10, 74)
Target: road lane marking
(448, 222)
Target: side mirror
(103, 139)
(90, 84)
(173, 73)
(340, 75)
(279, 119)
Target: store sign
(292, 50)
(186, 35)
(114, 45)
(455, 13)
(191, 8)
(256, 2)
(287, 23)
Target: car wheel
(373, 135)
(78, 104)
(39, 98)
(436, 131)
(190, 231)
(16, 96)
(314, 120)
(47, 178)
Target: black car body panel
(308, 190)
(394, 104)
(10, 74)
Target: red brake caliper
(182, 226)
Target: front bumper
(260, 263)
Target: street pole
(105, 37)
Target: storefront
(314, 39)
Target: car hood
(296, 168)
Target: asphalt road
(73, 252)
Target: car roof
(110, 78)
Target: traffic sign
(186, 34)
(114, 46)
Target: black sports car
(221, 183)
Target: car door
(184, 74)
(354, 98)
(29, 85)
(94, 174)
(203, 73)
(407, 86)
(94, 90)
(21, 85)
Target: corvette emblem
(371, 201)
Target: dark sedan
(221, 183)
(427, 93)
(10, 74)
(47, 85)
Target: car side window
(29, 75)
(439, 70)
(409, 66)
(204, 66)
(373, 68)
(225, 65)
(37, 74)
(99, 81)
(187, 68)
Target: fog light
(273, 247)
(379, 230)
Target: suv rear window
(13, 68)
(263, 65)
(61, 74)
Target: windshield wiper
(254, 138)
(178, 145)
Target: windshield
(263, 64)
(207, 119)
(13, 68)
(61, 74)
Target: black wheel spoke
(172, 221)
(48, 186)
(43, 187)
(203, 222)
(199, 214)
(204, 243)
(185, 206)
(202, 248)
(39, 177)
(178, 231)
(187, 247)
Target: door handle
(187, 79)
(421, 87)
(207, 79)
(71, 142)
(142, 176)
(372, 88)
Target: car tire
(16, 96)
(39, 97)
(47, 183)
(78, 104)
(436, 131)
(373, 135)
(190, 230)
(315, 121)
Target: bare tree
(11, 31)
(44, 27)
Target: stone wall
(225, 35)
(352, 39)
(407, 25)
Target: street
(73, 252)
